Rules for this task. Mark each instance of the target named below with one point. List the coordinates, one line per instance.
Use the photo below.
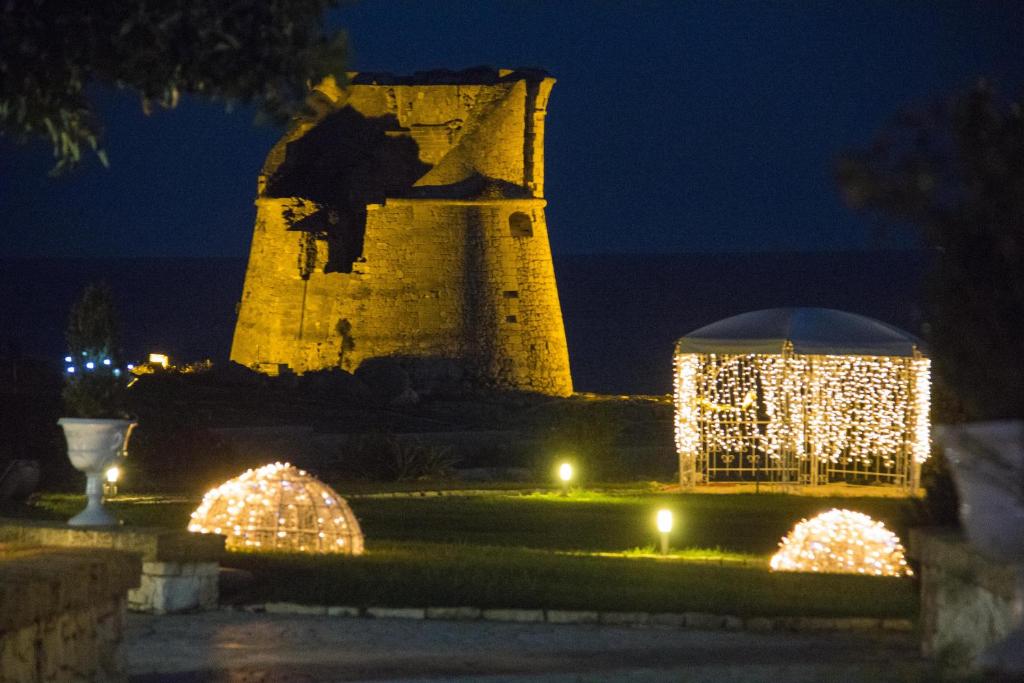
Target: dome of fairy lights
(279, 507)
(841, 542)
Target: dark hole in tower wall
(520, 225)
(343, 164)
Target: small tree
(96, 385)
(956, 174)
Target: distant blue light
(106, 361)
(117, 372)
(67, 359)
(90, 365)
(131, 367)
(71, 369)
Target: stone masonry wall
(436, 209)
(179, 568)
(62, 616)
(966, 600)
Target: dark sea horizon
(622, 312)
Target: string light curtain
(751, 406)
(279, 507)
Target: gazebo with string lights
(801, 397)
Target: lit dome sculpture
(279, 507)
(841, 542)
(801, 396)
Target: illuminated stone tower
(405, 219)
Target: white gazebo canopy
(811, 331)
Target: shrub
(96, 383)
(387, 457)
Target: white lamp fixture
(664, 521)
(565, 474)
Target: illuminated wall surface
(279, 507)
(802, 418)
(841, 542)
(406, 219)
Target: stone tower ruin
(403, 218)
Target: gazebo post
(915, 475)
(687, 471)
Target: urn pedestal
(94, 445)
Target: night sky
(674, 126)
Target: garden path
(238, 646)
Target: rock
(19, 479)
(385, 378)
(406, 398)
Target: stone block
(759, 624)
(730, 623)
(816, 624)
(161, 568)
(904, 625)
(294, 608)
(670, 619)
(858, 624)
(703, 621)
(515, 615)
(454, 613)
(396, 612)
(173, 587)
(153, 544)
(625, 618)
(558, 616)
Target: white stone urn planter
(987, 460)
(94, 445)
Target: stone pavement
(238, 646)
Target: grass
(589, 550)
(437, 574)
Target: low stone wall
(681, 620)
(62, 613)
(179, 569)
(966, 600)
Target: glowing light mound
(841, 542)
(279, 507)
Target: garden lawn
(576, 552)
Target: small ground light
(160, 359)
(664, 526)
(110, 484)
(565, 475)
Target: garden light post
(110, 485)
(565, 476)
(664, 526)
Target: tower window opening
(520, 225)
